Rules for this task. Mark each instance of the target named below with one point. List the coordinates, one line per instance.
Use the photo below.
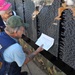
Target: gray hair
(11, 30)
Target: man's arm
(32, 55)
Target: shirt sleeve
(15, 53)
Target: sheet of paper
(46, 40)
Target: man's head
(5, 9)
(70, 2)
(15, 26)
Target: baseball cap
(15, 21)
(4, 5)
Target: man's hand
(39, 49)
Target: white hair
(69, 2)
(2, 12)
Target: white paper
(46, 40)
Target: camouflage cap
(15, 21)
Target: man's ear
(15, 30)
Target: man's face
(20, 32)
(7, 14)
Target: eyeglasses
(8, 12)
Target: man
(66, 4)
(5, 13)
(61, 9)
(10, 50)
